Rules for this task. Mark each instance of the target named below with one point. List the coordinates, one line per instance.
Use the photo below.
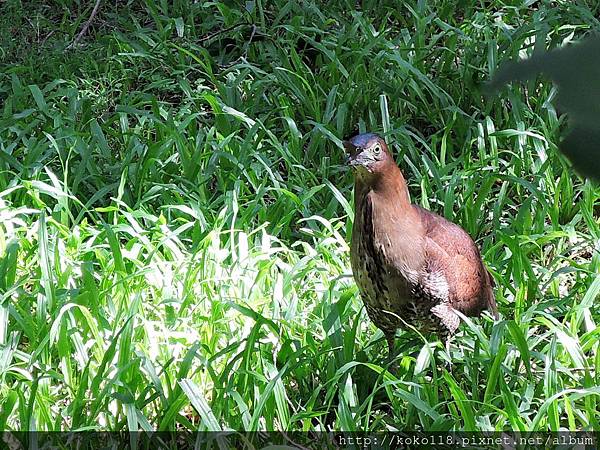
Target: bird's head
(368, 154)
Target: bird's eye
(377, 150)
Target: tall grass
(175, 215)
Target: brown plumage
(411, 266)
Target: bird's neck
(389, 186)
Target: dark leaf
(576, 71)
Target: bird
(412, 266)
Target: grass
(175, 214)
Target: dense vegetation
(175, 214)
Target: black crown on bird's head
(365, 140)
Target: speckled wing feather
(452, 253)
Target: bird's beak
(353, 158)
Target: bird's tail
(491, 300)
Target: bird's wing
(453, 257)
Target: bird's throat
(389, 186)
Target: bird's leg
(449, 321)
(446, 315)
(390, 337)
(446, 339)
